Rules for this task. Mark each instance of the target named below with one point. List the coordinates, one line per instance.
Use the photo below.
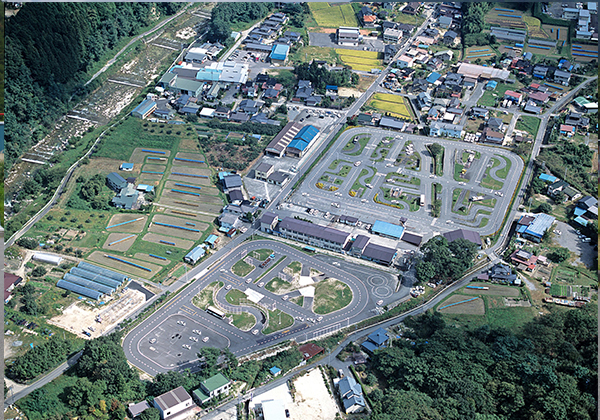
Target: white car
(248, 280)
(254, 332)
(379, 302)
(261, 284)
(152, 340)
(357, 163)
(285, 297)
(228, 287)
(185, 346)
(194, 339)
(461, 183)
(364, 200)
(205, 339)
(320, 318)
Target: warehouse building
(302, 141)
(279, 143)
(144, 109)
(388, 230)
(348, 36)
(534, 227)
(468, 235)
(173, 402)
(279, 53)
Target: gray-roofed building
(412, 238)
(351, 395)
(480, 112)
(469, 235)
(228, 220)
(115, 181)
(239, 117)
(358, 245)
(263, 170)
(513, 35)
(379, 254)
(562, 77)
(450, 38)
(268, 221)
(501, 273)
(280, 142)
(536, 229)
(236, 196)
(495, 123)
(173, 402)
(532, 108)
(137, 409)
(195, 254)
(389, 122)
(278, 178)
(127, 198)
(445, 22)
(313, 234)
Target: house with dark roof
(412, 8)
(263, 170)
(577, 120)
(233, 181)
(239, 117)
(451, 38)
(468, 235)
(10, 282)
(495, 123)
(137, 409)
(278, 178)
(491, 136)
(480, 112)
(532, 108)
(375, 341)
(358, 245)
(351, 395)
(268, 221)
(115, 181)
(524, 260)
(501, 273)
(235, 196)
(379, 254)
(540, 72)
(173, 403)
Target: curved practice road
(159, 343)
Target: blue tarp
(579, 211)
(548, 178)
(581, 221)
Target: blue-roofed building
(144, 109)
(211, 240)
(536, 228)
(279, 53)
(580, 220)
(548, 178)
(194, 255)
(388, 230)
(275, 371)
(433, 77)
(145, 188)
(377, 340)
(491, 85)
(331, 87)
(208, 75)
(126, 166)
(351, 395)
(301, 141)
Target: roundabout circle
(376, 281)
(382, 291)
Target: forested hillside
(548, 372)
(49, 49)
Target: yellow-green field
(360, 60)
(329, 16)
(394, 104)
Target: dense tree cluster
(547, 372)
(474, 17)
(89, 194)
(41, 359)
(577, 158)
(49, 49)
(321, 77)
(225, 14)
(445, 261)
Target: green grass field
(235, 296)
(362, 140)
(244, 321)
(529, 124)
(331, 295)
(503, 173)
(298, 300)
(329, 16)
(242, 268)
(204, 298)
(278, 320)
(488, 181)
(261, 254)
(278, 286)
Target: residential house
(444, 55)
(571, 194)
(501, 273)
(268, 221)
(435, 64)
(567, 130)
(222, 112)
(418, 85)
(495, 124)
(144, 109)
(351, 395)
(127, 198)
(539, 98)
(541, 72)
(424, 100)
(10, 282)
(263, 170)
(392, 35)
(405, 61)
(556, 187)
(173, 402)
(445, 22)
(480, 112)
(236, 197)
(439, 129)
(278, 178)
(562, 77)
(365, 119)
(239, 117)
(229, 221)
(451, 38)
(369, 21)
(586, 210)
(389, 52)
(532, 108)
(314, 100)
(212, 387)
(249, 106)
(348, 36)
(376, 340)
(232, 181)
(491, 136)
(577, 120)
(115, 181)
(524, 260)
(412, 8)
(513, 96)
(195, 254)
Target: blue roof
(144, 107)
(211, 239)
(208, 75)
(223, 175)
(274, 370)
(379, 337)
(369, 346)
(540, 224)
(433, 77)
(346, 385)
(581, 221)
(279, 52)
(549, 178)
(196, 253)
(331, 87)
(579, 211)
(304, 137)
(492, 84)
(387, 229)
(126, 165)
(521, 228)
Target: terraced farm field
(329, 16)
(394, 104)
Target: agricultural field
(483, 53)
(506, 18)
(529, 124)
(329, 16)
(360, 60)
(395, 105)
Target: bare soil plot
(189, 144)
(202, 182)
(78, 317)
(134, 227)
(200, 199)
(139, 157)
(205, 185)
(173, 231)
(193, 156)
(122, 246)
(178, 167)
(184, 203)
(179, 243)
(189, 214)
(150, 178)
(473, 307)
(154, 167)
(311, 399)
(99, 257)
(494, 289)
(148, 258)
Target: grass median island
(295, 266)
(244, 321)
(278, 286)
(261, 254)
(204, 298)
(437, 152)
(298, 300)
(242, 268)
(503, 173)
(344, 171)
(362, 140)
(488, 181)
(330, 296)
(278, 320)
(235, 296)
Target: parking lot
(376, 174)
